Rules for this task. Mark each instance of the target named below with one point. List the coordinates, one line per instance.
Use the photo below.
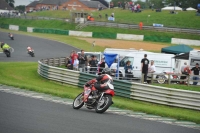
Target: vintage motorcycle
(161, 79)
(100, 104)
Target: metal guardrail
(137, 91)
(131, 26)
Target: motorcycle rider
(9, 34)
(101, 83)
(29, 49)
(4, 46)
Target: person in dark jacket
(93, 64)
(101, 66)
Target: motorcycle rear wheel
(104, 104)
(78, 101)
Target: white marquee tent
(190, 9)
(172, 8)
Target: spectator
(106, 15)
(183, 67)
(93, 64)
(68, 63)
(73, 54)
(196, 70)
(183, 72)
(144, 67)
(112, 14)
(128, 68)
(140, 25)
(75, 63)
(186, 72)
(152, 67)
(82, 60)
(101, 66)
(100, 16)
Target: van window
(194, 61)
(123, 61)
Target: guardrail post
(188, 81)
(60, 62)
(54, 62)
(48, 61)
(169, 79)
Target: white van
(122, 52)
(194, 57)
(162, 62)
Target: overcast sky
(22, 2)
(26, 2)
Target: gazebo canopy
(176, 49)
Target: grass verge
(181, 87)
(24, 75)
(57, 24)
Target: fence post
(188, 81)
(152, 78)
(48, 61)
(142, 78)
(169, 79)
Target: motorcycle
(31, 53)
(11, 36)
(7, 52)
(100, 104)
(161, 79)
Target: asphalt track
(19, 114)
(43, 48)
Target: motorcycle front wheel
(78, 101)
(161, 79)
(103, 104)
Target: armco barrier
(80, 33)
(185, 41)
(130, 37)
(14, 27)
(143, 92)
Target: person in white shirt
(152, 67)
(183, 67)
(75, 64)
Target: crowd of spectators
(84, 63)
(127, 6)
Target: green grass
(56, 24)
(184, 19)
(24, 75)
(180, 87)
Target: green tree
(157, 3)
(11, 3)
(183, 3)
(20, 8)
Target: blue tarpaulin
(110, 58)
